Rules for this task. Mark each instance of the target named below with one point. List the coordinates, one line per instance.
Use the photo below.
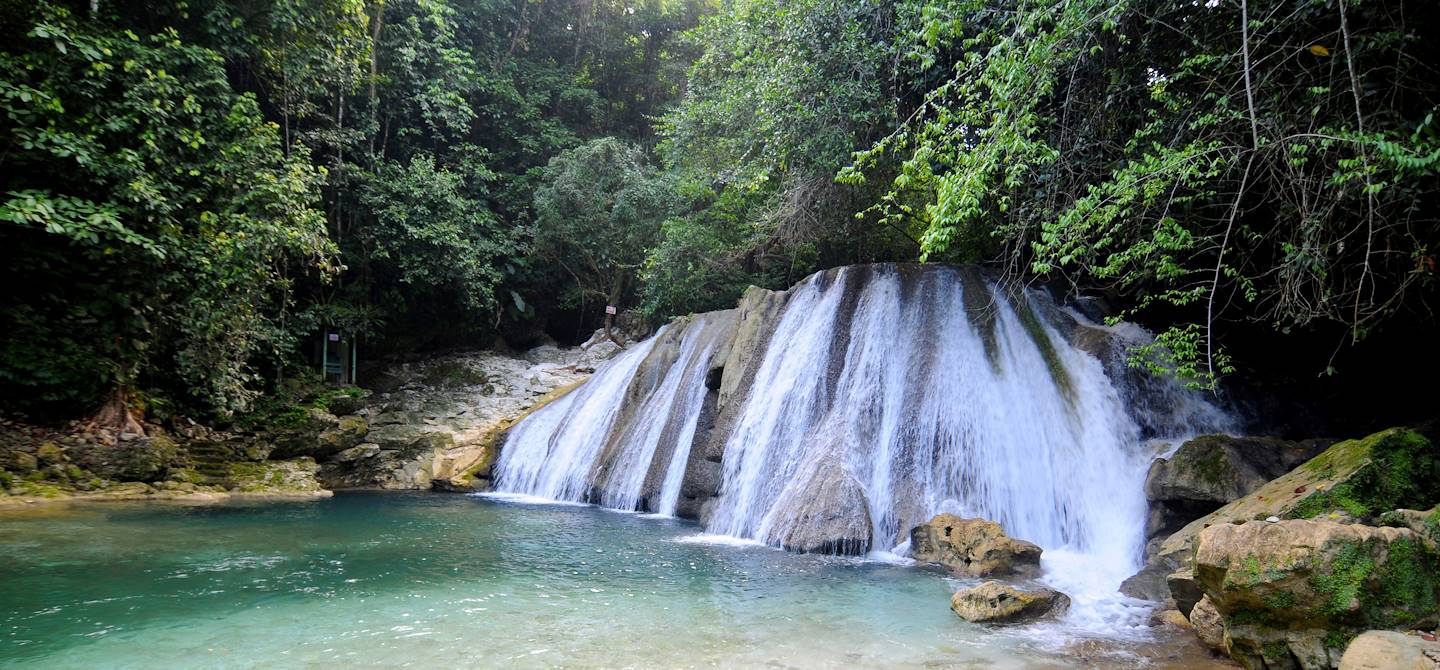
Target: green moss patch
(1403, 471)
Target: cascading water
(862, 402)
(927, 390)
(625, 435)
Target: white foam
(526, 499)
(717, 540)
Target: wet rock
(1211, 470)
(1390, 650)
(1291, 593)
(995, 602)
(832, 517)
(973, 547)
(702, 482)
(1384, 471)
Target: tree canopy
(193, 190)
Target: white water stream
(881, 401)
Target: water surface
(424, 580)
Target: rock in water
(1389, 650)
(832, 518)
(973, 547)
(995, 602)
(1291, 593)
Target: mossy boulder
(1293, 593)
(1395, 468)
(22, 462)
(995, 602)
(294, 477)
(973, 547)
(300, 434)
(1212, 470)
(49, 453)
(141, 460)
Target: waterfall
(623, 438)
(843, 412)
(922, 391)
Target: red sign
(609, 309)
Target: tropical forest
(1005, 334)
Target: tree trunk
(115, 414)
(613, 300)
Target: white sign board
(609, 309)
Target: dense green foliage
(597, 210)
(193, 190)
(155, 220)
(1276, 160)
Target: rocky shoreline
(435, 424)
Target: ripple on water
(387, 579)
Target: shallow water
(424, 580)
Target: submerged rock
(1292, 593)
(995, 602)
(1390, 650)
(973, 547)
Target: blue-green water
(429, 580)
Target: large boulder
(829, 515)
(293, 478)
(1208, 625)
(1292, 593)
(973, 547)
(1211, 470)
(995, 602)
(1390, 650)
(298, 434)
(1395, 468)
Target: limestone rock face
(995, 602)
(281, 479)
(1291, 592)
(142, 460)
(303, 437)
(1212, 470)
(1389, 650)
(1366, 476)
(438, 423)
(973, 547)
(832, 518)
(1209, 627)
